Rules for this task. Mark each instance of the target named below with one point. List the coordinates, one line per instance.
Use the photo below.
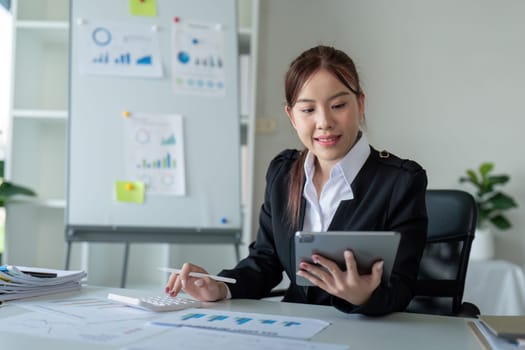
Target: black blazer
(389, 194)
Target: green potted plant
(492, 203)
(7, 191)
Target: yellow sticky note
(143, 7)
(130, 191)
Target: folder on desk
(508, 327)
(497, 336)
(17, 282)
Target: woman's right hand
(201, 288)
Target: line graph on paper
(88, 310)
(38, 324)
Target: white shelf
(53, 203)
(245, 31)
(64, 25)
(43, 34)
(40, 114)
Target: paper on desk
(89, 310)
(51, 325)
(205, 339)
(16, 284)
(13, 275)
(247, 323)
(14, 294)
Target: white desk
(497, 287)
(396, 331)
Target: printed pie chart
(183, 57)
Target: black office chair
(452, 218)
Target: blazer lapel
(343, 215)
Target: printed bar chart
(246, 323)
(165, 163)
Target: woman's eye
(339, 105)
(307, 110)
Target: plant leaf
(485, 168)
(501, 201)
(483, 214)
(501, 222)
(471, 177)
(8, 189)
(491, 203)
(498, 179)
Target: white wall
(444, 82)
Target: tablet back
(367, 246)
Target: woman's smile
(327, 141)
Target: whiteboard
(100, 139)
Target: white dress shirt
(319, 212)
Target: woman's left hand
(348, 285)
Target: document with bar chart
(119, 49)
(155, 153)
(205, 339)
(246, 323)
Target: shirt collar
(349, 166)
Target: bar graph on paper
(247, 323)
(166, 162)
(119, 49)
(154, 149)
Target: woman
(337, 183)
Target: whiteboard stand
(128, 235)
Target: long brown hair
(301, 69)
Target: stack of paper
(17, 282)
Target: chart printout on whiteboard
(119, 49)
(155, 153)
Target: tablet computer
(367, 246)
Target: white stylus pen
(199, 274)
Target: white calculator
(156, 303)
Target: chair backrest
(452, 216)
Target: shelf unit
(36, 142)
(37, 132)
